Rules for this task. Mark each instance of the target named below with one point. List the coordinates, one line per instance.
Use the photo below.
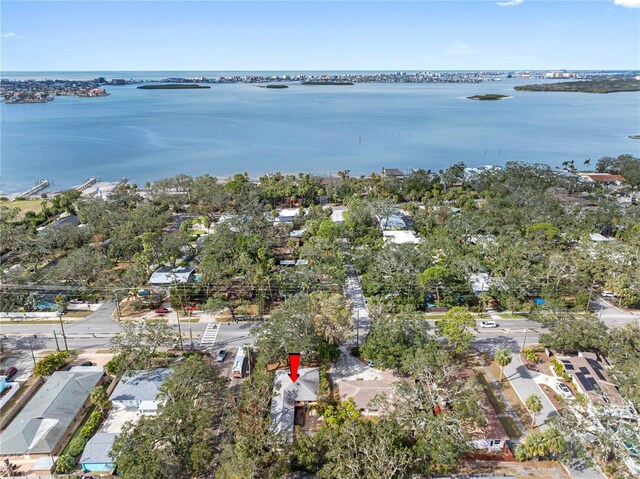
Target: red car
(192, 308)
(10, 372)
(161, 311)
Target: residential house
(289, 396)
(591, 378)
(287, 215)
(166, 276)
(598, 238)
(393, 173)
(46, 423)
(135, 395)
(401, 237)
(362, 393)
(603, 178)
(492, 435)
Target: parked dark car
(87, 363)
(10, 372)
(161, 310)
(221, 355)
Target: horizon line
(332, 70)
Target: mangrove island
(605, 85)
(172, 86)
(488, 96)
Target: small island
(488, 96)
(328, 82)
(173, 86)
(605, 85)
(277, 87)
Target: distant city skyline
(316, 36)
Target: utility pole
(248, 351)
(118, 313)
(31, 348)
(190, 334)
(64, 336)
(179, 331)
(524, 341)
(358, 328)
(55, 336)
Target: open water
(150, 134)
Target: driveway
(524, 385)
(361, 320)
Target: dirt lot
(529, 470)
(98, 359)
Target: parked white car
(488, 324)
(609, 294)
(563, 390)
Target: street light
(524, 341)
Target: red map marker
(294, 363)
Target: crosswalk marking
(209, 336)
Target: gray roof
(140, 385)
(48, 415)
(285, 395)
(97, 449)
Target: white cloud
(459, 49)
(515, 3)
(628, 3)
(10, 35)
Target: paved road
(361, 320)
(612, 316)
(96, 331)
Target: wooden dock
(40, 185)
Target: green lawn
(25, 205)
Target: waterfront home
(393, 173)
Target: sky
(307, 35)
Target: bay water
(150, 134)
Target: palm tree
(534, 405)
(503, 358)
(485, 300)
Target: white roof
(401, 237)
(598, 237)
(285, 395)
(289, 212)
(166, 275)
(480, 282)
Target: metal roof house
(135, 395)
(288, 394)
(138, 387)
(166, 276)
(95, 457)
(46, 423)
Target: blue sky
(290, 35)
